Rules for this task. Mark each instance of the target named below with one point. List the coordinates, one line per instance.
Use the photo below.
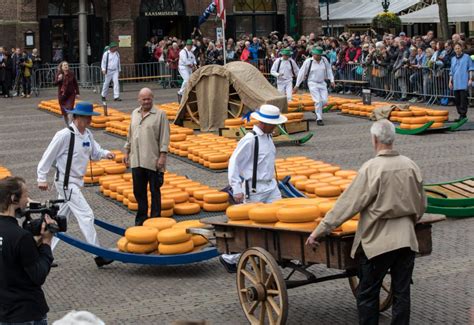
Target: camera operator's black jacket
(24, 267)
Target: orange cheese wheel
(109, 178)
(119, 169)
(330, 179)
(345, 173)
(87, 180)
(186, 209)
(403, 113)
(167, 204)
(328, 191)
(173, 236)
(441, 118)
(167, 213)
(434, 112)
(325, 207)
(416, 126)
(331, 169)
(181, 248)
(142, 248)
(141, 234)
(180, 181)
(349, 226)
(297, 178)
(221, 165)
(341, 182)
(96, 171)
(240, 211)
(310, 188)
(131, 198)
(125, 201)
(170, 191)
(113, 187)
(309, 226)
(159, 223)
(191, 190)
(301, 213)
(233, 122)
(240, 222)
(122, 244)
(299, 201)
(305, 171)
(119, 197)
(178, 197)
(113, 195)
(218, 158)
(200, 193)
(199, 240)
(419, 113)
(415, 120)
(436, 125)
(344, 187)
(405, 126)
(215, 207)
(127, 176)
(320, 176)
(177, 137)
(132, 205)
(184, 186)
(219, 197)
(189, 224)
(264, 213)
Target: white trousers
(80, 209)
(185, 73)
(286, 88)
(111, 75)
(319, 94)
(266, 197)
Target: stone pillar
(309, 17)
(83, 40)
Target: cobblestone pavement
(132, 294)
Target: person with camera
(25, 261)
(71, 149)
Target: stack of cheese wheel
(4, 172)
(233, 122)
(139, 240)
(264, 215)
(337, 102)
(118, 127)
(215, 202)
(314, 178)
(239, 214)
(294, 117)
(51, 105)
(171, 109)
(207, 149)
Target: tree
(386, 21)
(443, 19)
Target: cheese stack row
(337, 102)
(239, 122)
(4, 172)
(97, 169)
(294, 213)
(211, 151)
(171, 109)
(416, 117)
(162, 235)
(301, 102)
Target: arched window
(68, 8)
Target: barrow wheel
(261, 288)
(386, 293)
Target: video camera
(49, 208)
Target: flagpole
(224, 45)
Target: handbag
(359, 70)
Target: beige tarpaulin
(384, 111)
(208, 88)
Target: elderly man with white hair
(388, 193)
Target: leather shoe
(231, 268)
(320, 122)
(100, 261)
(118, 99)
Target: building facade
(52, 26)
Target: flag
(205, 15)
(220, 9)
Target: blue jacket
(254, 51)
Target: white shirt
(114, 62)
(288, 70)
(319, 71)
(85, 148)
(241, 162)
(186, 58)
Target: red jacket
(353, 53)
(173, 57)
(158, 52)
(246, 55)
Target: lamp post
(385, 5)
(327, 17)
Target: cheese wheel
(132, 199)
(240, 211)
(313, 186)
(403, 113)
(309, 226)
(296, 158)
(191, 190)
(167, 213)
(122, 244)
(159, 223)
(186, 209)
(133, 205)
(320, 176)
(218, 158)
(189, 224)
(167, 204)
(233, 122)
(215, 207)
(170, 191)
(415, 120)
(177, 197)
(127, 176)
(109, 178)
(297, 178)
(264, 213)
(328, 191)
(349, 226)
(113, 195)
(437, 118)
(436, 125)
(341, 182)
(240, 222)
(199, 240)
(305, 171)
(119, 197)
(219, 197)
(433, 112)
(302, 213)
(419, 113)
(87, 180)
(331, 169)
(181, 248)
(405, 126)
(330, 179)
(141, 234)
(184, 186)
(173, 236)
(345, 173)
(180, 181)
(177, 137)
(351, 177)
(325, 207)
(119, 169)
(125, 201)
(199, 194)
(221, 165)
(96, 171)
(142, 248)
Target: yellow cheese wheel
(310, 188)
(122, 244)
(127, 176)
(96, 171)
(141, 234)
(299, 201)
(186, 208)
(305, 171)
(319, 176)
(218, 158)
(240, 222)
(87, 180)
(433, 112)
(180, 181)
(405, 126)
(113, 195)
(167, 213)
(325, 207)
(264, 213)
(221, 165)
(119, 197)
(330, 179)
(199, 194)
(441, 118)
(297, 178)
(436, 125)
(240, 211)
(142, 248)
(159, 223)
(166, 204)
(350, 226)
(345, 173)
(199, 240)
(220, 197)
(215, 207)
(184, 186)
(119, 169)
(177, 137)
(181, 248)
(108, 178)
(309, 226)
(341, 182)
(403, 113)
(331, 169)
(301, 213)
(191, 190)
(178, 197)
(173, 236)
(328, 191)
(233, 122)
(132, 199)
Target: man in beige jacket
(388, 193)
(145, 151)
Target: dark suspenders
(254, 171)
(291, 65)
(70, 153)
(107, 63)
